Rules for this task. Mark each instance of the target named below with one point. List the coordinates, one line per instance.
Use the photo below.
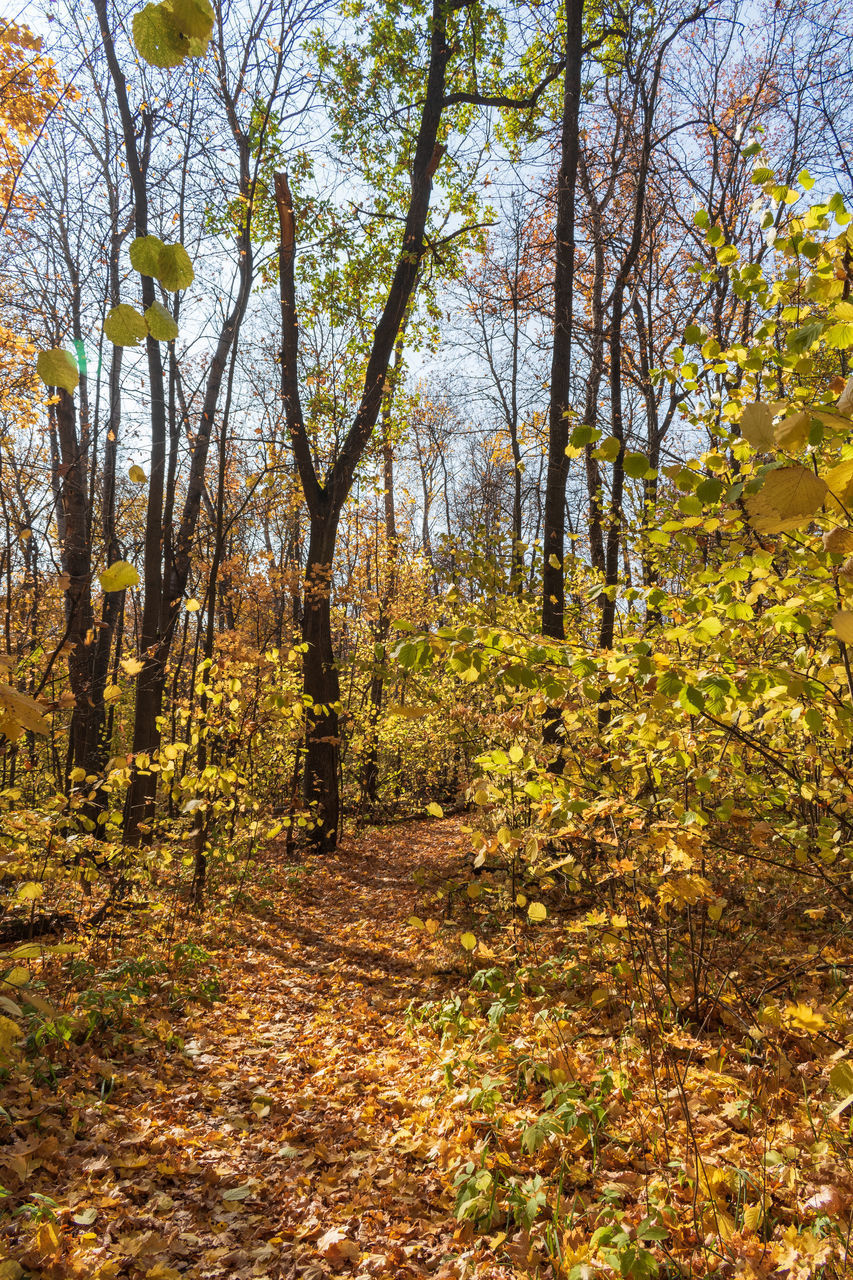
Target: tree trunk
(87, 717)
(370, 774)
(321, 683)
(553, 575)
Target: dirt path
(295, 1134)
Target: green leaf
(161, 324)
(176, 269)
(789, 498)
(168, 263)
(636, 465)
(58, 368)
(800, 340)
(119, 576)
(124, 326)
(701, 218)
(709, 491)
(240, 1193)
(145, 255)
(537, 912)
(693, 335)
(608, 449)
(669, 684)
(692, 700)
(158, 40)
(584, 434)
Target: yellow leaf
(435, 810)
(29, 892)
(537, 911)
(838, 541)
(841, 1078)
(23, 710)
(58, 368)
(839, 482)
(9, 1033)
(431, 927)
(842, 625)
(788, 499)
(124, 326)
(118, 576)
(132, 666)
(468, 941)
(193, 606)
(136, 474)
(47, 1238)
(756, 426)
(803, 1018)
(793, 430)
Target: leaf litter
(361, 1101)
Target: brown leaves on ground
(270, 1134)
(353, 1106)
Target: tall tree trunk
(87, 717)
(553, 574)
(370, 775)
(321, 683)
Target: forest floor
(284, 1129)
(308, 1084)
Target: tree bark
(553, 574)
(87, 717)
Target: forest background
(423, 407)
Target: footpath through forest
(288, 1129)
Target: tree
(325, 499)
